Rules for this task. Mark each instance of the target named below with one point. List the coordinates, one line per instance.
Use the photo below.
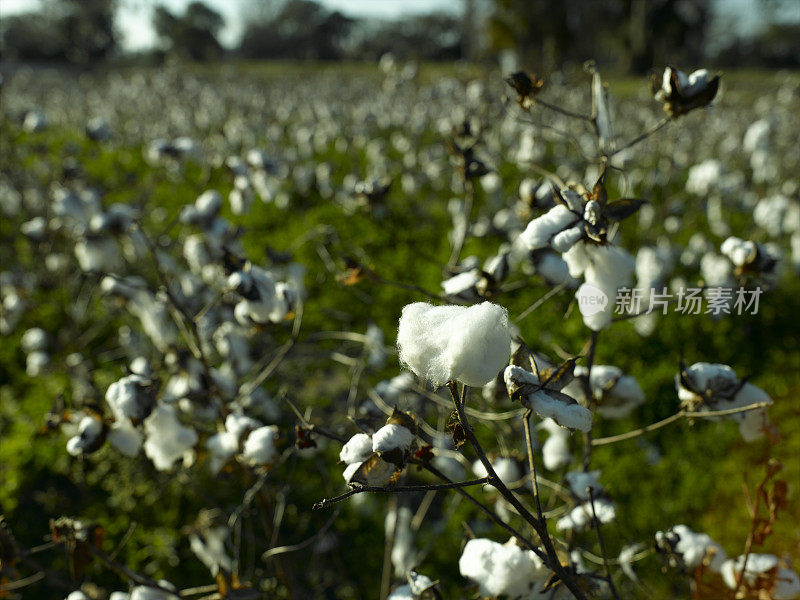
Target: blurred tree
(192, 35)
(299, 29)
(78, 31)
(632, 34)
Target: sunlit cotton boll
(167, 440)
(259, 448)
(582, 515)
(564, 412)
(357, 449)
(392, 437)
(555, 451)
(125, 438)
(506, 468)
(693, 548)
(89, 429)
(142, 592)
(502, 569)
(454, 343)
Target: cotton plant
(716, 387)
(681, 93)
(613, 393)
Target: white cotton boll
(167, 440)
(787, 585)
(582, 515)
(127, 399)
(693, 548)
(609, 269)
(392, 437)
(237, 424)
(506, 468)
(402, 592)
(222, 447)
(350, 470)
(418, 583)
(210, 548)
(463, 285)
(716, 270)
(142, 592)
(357, 449)
(125, 438)
(756, 136)
(541, 230)
(777, 215)
(36, 362)
(566, 239)
(703, 177)
(241, 200)
(757, 564)
(454, 343)
(259, 448)
(555, 451)
(578, 481)
(625, 559)
(571, 415)
(502, 569)
(140, 366)
(739, 251)
(34, 339)
(119, 596)
(77, 595)
(399, 523)
(553, 268)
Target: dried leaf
(456, 430)
(375, 472)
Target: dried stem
(596, 524)
(676, 417)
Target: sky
(133, 19)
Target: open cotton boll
(143, 592)
(221, 446)
(757, 565)
(506, 468)
(418, 582)
(579, 481)
(77, 595)
(402, 592)
(609, 268)
(36, 362)
(541, 230)
(463, 285)
(119, 596)
(582, 515)
(565, 413)
(167, 440)
(350, 470)
(34, 339)
(210, 548)
(693, 548)
(357, 449)
(739, 251)
(392, 437)
(555, 451)
(454, 343)
(125, 438)
(502, 569)
(128, 399)
(237, 424)
(89, 430)
(259, 448)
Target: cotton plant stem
(400, 489)
(677, 417)
(551, 557)
(587, 436)
(458, 243)
(564, 111)
(596, 524)
(658, 126)
(526, 424)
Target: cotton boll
(357, 449)
(350, 470)
(259, 448)
(693, 548)
(582, 515)
(740, 252)
(787, 585)
(392, 437)
(402, 592)
(419, 583)
(555, 451)
(502, 569)
(129, 398)
(506, 468)
(142, 592)
(548, 405)
(449, 343)
(222, 447)
(209, 547)
(553, 268)
(125, 438)
(541, 230)
(89, 430)
(757, 565)
(463, 286)
(609, 269)
(578, 481)
(34, 339)
(77, 595)
(238, 424)
(564, 240)
(167, 440)
(119, 596)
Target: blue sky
(134, 16)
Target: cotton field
(399, 331)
